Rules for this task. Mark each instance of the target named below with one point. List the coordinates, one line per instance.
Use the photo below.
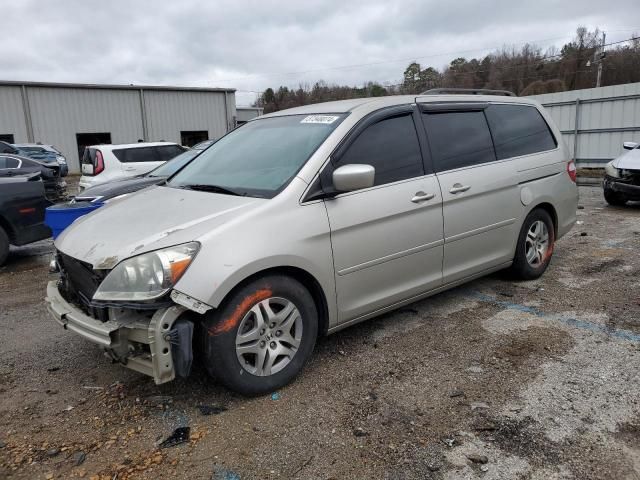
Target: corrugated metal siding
(12, 119)
(615, 111)
(169, 113)
(59, 113)
(245, 114)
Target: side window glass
(458, 139)
(3, 162)
(391, 147)
(10, 162)
(136, 155)
(519, 130)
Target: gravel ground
(492, 380)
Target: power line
(382, 62)
(505, 67)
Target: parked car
(22, 206)
(8, 148)
(622, 176)
(13, 165)
(44, 153)
(104, 163)
(124, 186)
(308, 220)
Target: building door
(87, 139)
(6, 137)
(190, 138)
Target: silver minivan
(308, 220)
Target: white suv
(104, 163)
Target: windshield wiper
(211, 188)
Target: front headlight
(61, 159)
(612, 171)
(147, 276)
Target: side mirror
(629, 145)
(353, 177)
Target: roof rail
(468, 91)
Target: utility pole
(601, 60)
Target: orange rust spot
(232, 321)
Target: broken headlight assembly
(147, 276)
(612, 171)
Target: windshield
(32, 149)
(173, 165)
(259, 158)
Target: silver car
(305, 221)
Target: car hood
(629, 160)
(154, 218)
(120, 187)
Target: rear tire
(614, 199)
(535, 246)
(4, 246)
(261, 336)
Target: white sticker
(320, 119)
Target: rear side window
(135, 155)
(8, 162)
(458, 139)
(169, 151)
(391, 147)
(518, 130)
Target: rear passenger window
(169, 151)
(458, 139)
(391, 147)
(134, 155)
(8, 162)
(518, 130)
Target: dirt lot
(493, 380)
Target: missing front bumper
(122, 338)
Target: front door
(387, 239)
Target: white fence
(595, 121)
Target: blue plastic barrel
(58, 217)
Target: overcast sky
(250, 45)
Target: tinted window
(391, 147)
(141, 154)
(458, 139)
(169, 151)
(8, 162)
(518, 130)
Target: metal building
(72, 116)
(244, 114)
(595, 121)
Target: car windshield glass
(173, 165)
(259, 158)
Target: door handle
(458, 188)
(422, 197)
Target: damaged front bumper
(629, 187)
(136, 341)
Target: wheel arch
(6, 226)
(550, 209)
(302, 276)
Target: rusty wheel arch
(306, 279)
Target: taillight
(99, 167)
(571, 170)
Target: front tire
(262, 335)
(614, 199)
(535, 246)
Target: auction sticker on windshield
(320, 119)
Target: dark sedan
(15, 165)
(107, 191)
